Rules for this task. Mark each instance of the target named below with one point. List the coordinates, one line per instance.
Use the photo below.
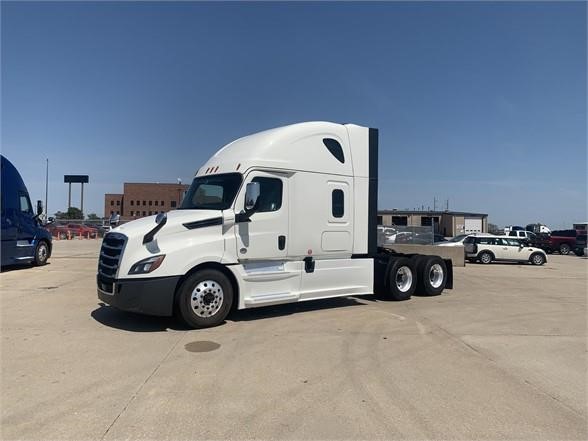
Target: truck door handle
(281, 242)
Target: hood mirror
(160, 221)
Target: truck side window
(338, 204)
(25, 204)
(270, 194)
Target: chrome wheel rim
(207, 298)
(538, 259)
(403, 278)
(436, 275)
(486, 258)
(42, 252)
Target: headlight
(147, 265)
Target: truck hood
(175, 222)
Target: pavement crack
(128, 403)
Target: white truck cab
(284, 215)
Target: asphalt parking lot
(502, 356)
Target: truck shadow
(128, 321)
(26, 266)
(265, 312)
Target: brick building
(143, 199)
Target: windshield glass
(458, 238)
(215, 192)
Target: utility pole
(434, 203)
(46, 190)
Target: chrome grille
(110, 253)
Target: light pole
(46, 189)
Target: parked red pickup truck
(562, 241)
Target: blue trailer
(24, 240)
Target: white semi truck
(285, 215)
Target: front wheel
(205, 298)
(537, 259)
(564, 249)
(41, 253)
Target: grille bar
(110, 254)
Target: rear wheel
(205, 298)
(485, 257)
(432, 275)
(402, 279)
(564, 249)
(537, 259)
(41, 253)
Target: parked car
(59, 231)
(487, 249)
(82, 230)
(457, 241)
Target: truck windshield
(215, 192)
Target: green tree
(71, 213)
(493, 229)
(93, 216)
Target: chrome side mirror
(251, 195)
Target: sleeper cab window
(335, 148)
(337, 203)
(270, 194)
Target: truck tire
(579, 252)
(537, 259)
(485, 257)
(564, 249)
(431, 275)
(41, 253)
(205, 298)
(402, 279)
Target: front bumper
(152, 296)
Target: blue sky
(480, 103)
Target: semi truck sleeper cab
(280, 216)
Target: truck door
(27, 227)
(9, 232)
(265, 237)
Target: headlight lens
(147, 265)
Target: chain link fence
(406, 235)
